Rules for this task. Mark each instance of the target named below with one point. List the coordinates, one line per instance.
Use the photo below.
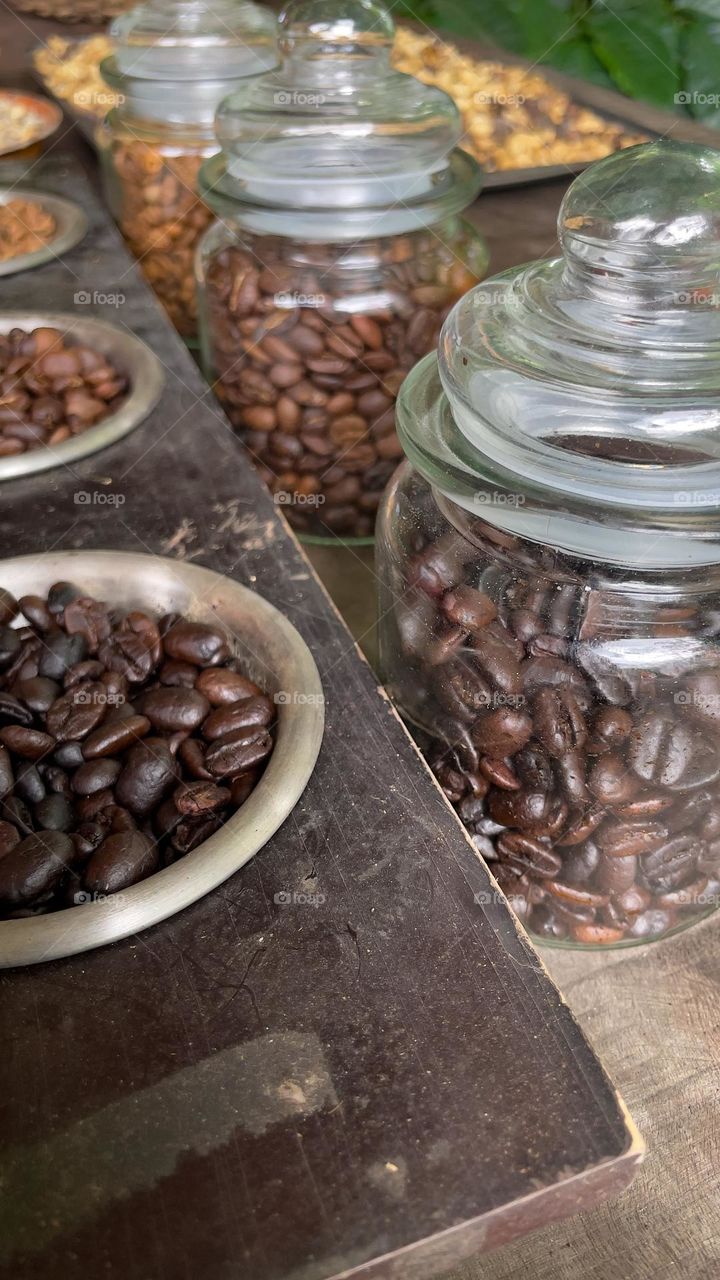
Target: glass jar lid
(588, 386)
(335, 127)
(175, 60)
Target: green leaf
(493, 19)
(576, 58)
(637, 42)
(701, 8)
(700, 48)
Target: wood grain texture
(381, 1082)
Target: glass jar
(339, 254)
(174, 61)
(550, 562)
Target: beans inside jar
(308, 347)
(125, 742)
(572, 719)
(161, 217)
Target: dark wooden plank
(384, 1082)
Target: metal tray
(46, 111)
(70, 221)
(273, 654)
(131, 355)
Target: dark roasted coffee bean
(535, 813)
(115, 736)
(570, 770)
(9, 837)
(543, 671)
(34, 866)
(77, 712)
(10, 646)
(200, 797)
(614, 684)
(191, 832)
(468, 609)
(222, 687)
(617, 874)
(15, 810)
(192, 756)
(596, 935)
(577, 895)
(611, 781)
(38, 694)
(502, 732)
(28, 784)
(14, 712)
(257, 710)
(651, 923)
(69, 755)
(178, 674)
(527, 854)
(36, 612)
(610, 728)
(497, 656)
(197, 643)
(558, 720)
(56, 780)
(498, 772)
(60, 652)
(671, 862)
(88, 618)
(31, 744)
(83, 673)
(546, 923)
(54, 813)
(534, 768)
(624, 839)
(121, 860)
(237, 752)
(672, 754)
(581, 863)
(147, 776)
(60, 595)
(87, 837)
(94, 776)
(175, 709)
(242, 787)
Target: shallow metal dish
(273, 654)
(48, 114)
(130, 355)
(70, 221)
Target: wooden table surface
(652, 1013)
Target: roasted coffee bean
(570, 770)
(672, 754)
(222, 687)
(86, 839)
(121, 860)
(257, 710)
(200, 797)
(534, 813)
(192, 755)
(581, 863)
(28, 784)
(175, 709)
(498, 772)
(617, 874)
(77, 712)
(31, 744)
(14, 712)
(611, 781)
(178, 674)
(196, 643)
(94, 776)
(191, 832)
(9, 837)
(469, 609)
(652, 923)
(15, 810)
(527, 854)
(609, 730)
(242, 787)
(60, 595)
(114, 736)
(54, 813)
(671, 862)
(10, 645)
(237, 752)
(69, 755)
(147, 776)
(38, 694)
(34, 866)
(502, 732)
(624, 839)
(558, 720)
(59, 653)
(576, 895)
(36, 611)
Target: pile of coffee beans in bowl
(125, 742)
(52, 389)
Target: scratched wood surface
(379, 1081)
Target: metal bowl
(70, 221)
(48, 115)
(127, 352)
(273, 654)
